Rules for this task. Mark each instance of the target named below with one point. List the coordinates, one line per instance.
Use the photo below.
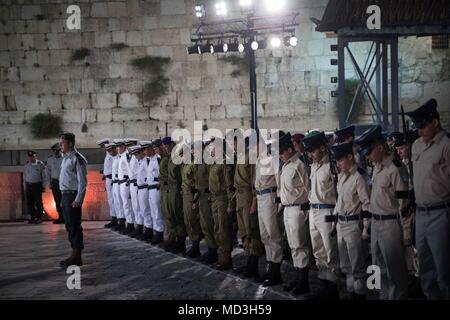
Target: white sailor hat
(145, 143)
(130, 141)
(103, 141)
(135, 149)
(119, 142)
(109, 146)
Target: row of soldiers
(334, 212)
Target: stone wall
(106, 94)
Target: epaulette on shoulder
(362, 172)
(397, 163)
(81, 158)
(148, 161)
(40, 162)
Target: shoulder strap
(81, 158)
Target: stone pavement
(115, 267)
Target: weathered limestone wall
(105, 93)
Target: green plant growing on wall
(80, 54)
(45, 125)
(241, 64)
(154, 70)
(84, 128)
(119, 46)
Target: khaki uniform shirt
(322, 183)
(267, 173)
(386, 180)
(294, 182)
(431, 167)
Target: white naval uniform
(116, 189)
(124, 187)
(107, 173)
(144, 216)
(133, 167)
(154, 194)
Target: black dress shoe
(58, 221)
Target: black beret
(369, 139)
(341, 150)
(424, 114)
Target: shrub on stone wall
(154, 70)
(351, 86)
(80, 54)
(45, 125)
(241, 64)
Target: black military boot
(242, 269)
(194, 250)
(157, 238)
(252, 271)
(180, 245)
(322, 292)
(129, 229)
(147, 235)
(273, 276)
(169, 244)
(120, 225)
(137, 231)
(210, 256)
(112, 223)
(302, 285)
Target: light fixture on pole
(193, 49)
(200, 11)
(275, 42)
(241, 47)
(221, 8)
(291, 41)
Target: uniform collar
(293, 158)
(386, 161)
(352, 170)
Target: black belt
(266, 191)
(303, 206)
(322, 206)
(354, 217)
(144, 186)
(115, 181)
(69, 191)
(153, 186)
(109, 176)
(383, 217)
(122, 181)
(436, 207)
(133, 181)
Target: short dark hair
(68, 136)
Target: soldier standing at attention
(164, 190)
(266, 180)
(322, 223)
(387, 204)
(153, 174)
(73, 183)
(118, 205)
(431, 167)
(139, 215)
(352, 210)
(175, 200)
(294, 188)
(247, 215)
(202, 202)
(220, 182)
(124, 185)
(107, 176)
(53, 170)
(34, 179)
(191, 213)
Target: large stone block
(151, 23)
(99, 10)
(118, 70)
(31, 73)
(105, 115)
(29, 12)
(50, 101)
(104, 100)
(102, 39)
(76, 101)
(129, 100)
(25, 102)
(171, 7)
(237, 111)
(134, 38)
(117, 9)
(138, 114)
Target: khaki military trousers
(297, 232)
(269, 228)
(191, 217)
(206, 219)
(223, 227)
(324, 244)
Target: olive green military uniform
(248, 224)
(191, 216)
(164, 188)
(201, 176)
(221, 187)
(175, 200)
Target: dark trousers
(33, 192)
(72, 219)
(57, 197)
